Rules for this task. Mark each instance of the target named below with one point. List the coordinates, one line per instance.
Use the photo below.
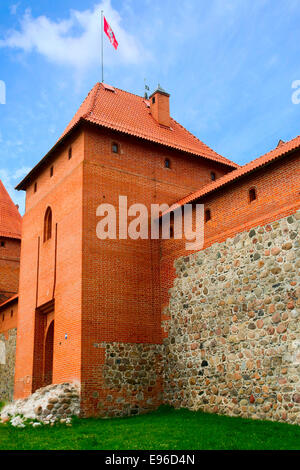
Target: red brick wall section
(40, 281)
(104, 291)
(9, 267)
(121, 295)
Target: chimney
(160, 107)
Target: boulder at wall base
(54, 402)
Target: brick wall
(99, 290)
(278, 195)
(9, 267)
(121, 294)
(52, 270)
(110, 292)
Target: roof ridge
(95, 89)
(285, 144)
(129, 92)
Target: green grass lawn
(165, 429)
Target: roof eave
(229, 164)
(232, 181)
(22, 186)
(9, 301)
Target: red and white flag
(110, 34)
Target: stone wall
(233, 343)
(57, 402)
(132, 375)
(7, 364)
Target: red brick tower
(89, 309)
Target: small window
(167, 163)
(153, 100)
(2, 244)
(252, 195)
(48, 224)
(11, 313)
(51, 172)
(3, 317)
(207, 215)
(213, 176)
(115, 147)
(35, 187)
(70, 153)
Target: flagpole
(102, 27)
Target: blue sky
(229, 66)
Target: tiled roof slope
(10, 218)
(122, 111)
(8, 301)
(128, 113)
(283, 149)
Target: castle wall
(7, 364)
(9, 267)
(232, 326)
(131, 379)
(121, 292)
(51, 270)
(8, 335)
(278, 195)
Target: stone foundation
(233, 343)
(48, 404)
(132, 375)
(7, 364)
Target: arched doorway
(48, 368)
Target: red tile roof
(284, 149)
(122, 111)
(10, 218)
(128, 113)
(8, 301)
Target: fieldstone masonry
(132, 378)
(7, 364)
(233, 343)
(47, 405)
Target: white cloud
(75, 41)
